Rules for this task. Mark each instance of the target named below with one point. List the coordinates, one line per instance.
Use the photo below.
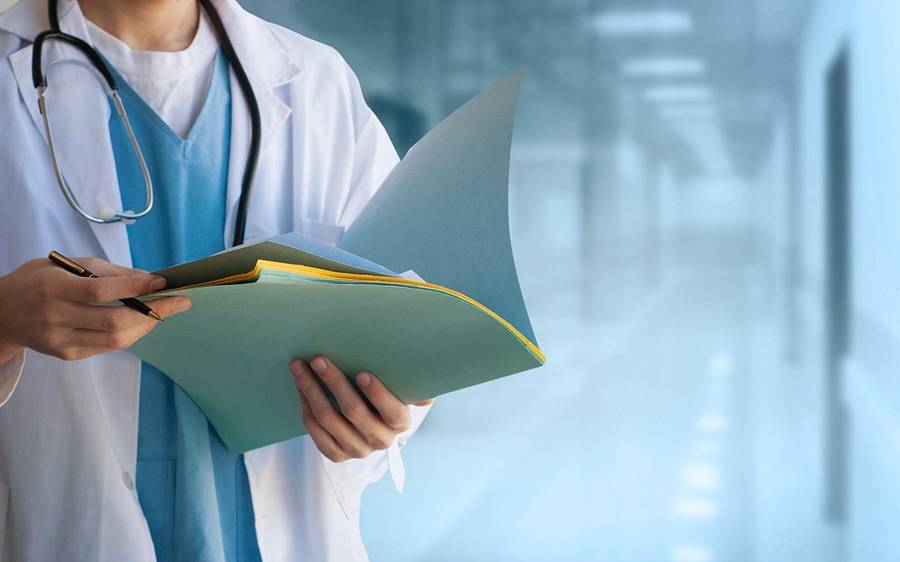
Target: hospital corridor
(705, 216)
(702, 443)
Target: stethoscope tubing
(240, 223)
(40, 84)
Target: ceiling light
(678, 94)
(664, 66)
(712, 423)
(684, 112)
(702, 476)
(696, 508)
(631, 22)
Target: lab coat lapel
(79, 116)
(268, 67)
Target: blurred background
(705, 219)
(704, 214)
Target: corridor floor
(630, 445)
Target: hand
(354, 431)
(52, 311)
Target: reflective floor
(634, 443)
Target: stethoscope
(40, 84)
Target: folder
(442, 212)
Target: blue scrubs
(194, 493)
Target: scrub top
(194, 493)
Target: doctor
(101, 458)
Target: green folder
(260, 305)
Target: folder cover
(442, 212)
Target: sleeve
(10, 373)
(350, 478)
(374, 154)
(374, 158)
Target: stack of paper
(442, 213)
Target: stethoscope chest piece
(105, 214)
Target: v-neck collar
(134, 100)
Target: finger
(323, 440)
(104, 268)
(100, 341)
(352, 405)
(108, 289)
(394, 412)
(93, 317)
(170, 306)
(76, 353)
(349, 439)
(116, 318)
(109, 341)
(424, 403)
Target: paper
(443, 211)
(411, 275)
(288, 248)
(441, 214)
(230, 352)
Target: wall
(868, 28)
(873, 391)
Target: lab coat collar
(27, 18)
(82, 114)
(267, 63)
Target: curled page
(444, 210)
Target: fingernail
(364, 379)
(158, 282)
(295, 367)
(319, 365)
(184, 304)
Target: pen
(73, 267)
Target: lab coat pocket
(156, 492)
(4, 509)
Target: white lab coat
(68, 430)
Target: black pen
(73, 267)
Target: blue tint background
(674, 251)
(677, 252)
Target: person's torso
(194, 493)
(68, 435)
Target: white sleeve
(374, 155)
(350, 478)
(373, 159)
(10, 373)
